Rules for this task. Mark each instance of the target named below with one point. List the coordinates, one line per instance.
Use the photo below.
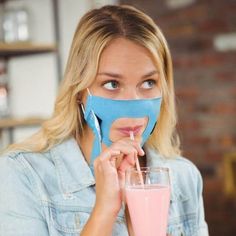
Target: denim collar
(72, 169)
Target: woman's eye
(148, 84)
(111, 85)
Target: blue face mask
(100, 113)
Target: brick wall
(202, 39)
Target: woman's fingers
(120, 155)
(131, 143)
(110, 155)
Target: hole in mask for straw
(122, 127)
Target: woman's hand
(109, 169)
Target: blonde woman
(67, 178)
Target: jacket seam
(29, 175)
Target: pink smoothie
(148, 207)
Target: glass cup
(147, 194)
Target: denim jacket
(53, 193)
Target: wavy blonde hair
(95, 30)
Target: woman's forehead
(123, 55)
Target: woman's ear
(81, 97)
(79, 101)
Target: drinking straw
(131, 135)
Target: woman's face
(126, 71)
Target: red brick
(186, 106)
(213, 26)
(226, 108)
(199, 140)
(184, 30)
(212, 59)
(214, 155)
(192, 155)
(202, 107)
(212, 184)
(188, 92)
(233, 90)
(196, 13)
(226, 76)
(189, 125)
(183, 61)
(227, 141)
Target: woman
(118, 82)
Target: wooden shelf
(7, 123)
(22, 49)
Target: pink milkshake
(148, 205)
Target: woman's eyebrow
(151, 73)
(111, 74)
(119, 76)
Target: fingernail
(142, 152)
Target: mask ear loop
(82, 107)
(88, 92)
(80, 102)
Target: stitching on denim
(60, 227)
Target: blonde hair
(96, 29)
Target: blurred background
(35, 37)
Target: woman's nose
(131, 94)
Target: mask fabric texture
(100, 113)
